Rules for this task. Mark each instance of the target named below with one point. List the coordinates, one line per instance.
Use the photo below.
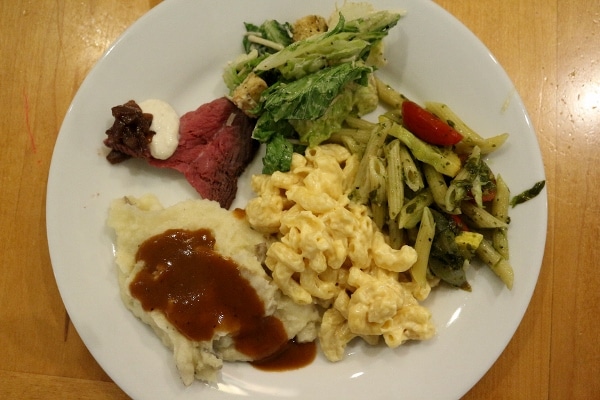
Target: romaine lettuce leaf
(354, 99)
(278, 156)
(309, 110)
(309, 97)
(266, 128)
(346, 42)
(366, 98)
(272, 31)
(315, 131)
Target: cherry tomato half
(426, 126)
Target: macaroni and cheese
(330, 253)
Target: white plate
(176, 53)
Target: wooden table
(550, 49)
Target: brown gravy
(200, 292)
(294, 355)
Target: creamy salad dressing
(165, 123)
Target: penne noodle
(395, 181)
(397, 236)
(377, 181)
(360, 124)
(359, 135)
(378, 191)
(499, 210)
(412, 212)
(361, 190)
(470, 137)
(379, 214)
(412, 175)
(442, 159)
(501, 202)
(486, 146)
(500, 242)
(394, 115)
(423, 246)
(389, 95)
(445, 113)
(467, 178)
(498, 264)
(480, 217)
(352, 145)
(438, 187)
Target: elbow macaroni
(329, 252)
(384, 306)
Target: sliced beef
(215, 146)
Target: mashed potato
(137, 219)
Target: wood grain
(551, 51)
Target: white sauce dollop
(165, 123)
